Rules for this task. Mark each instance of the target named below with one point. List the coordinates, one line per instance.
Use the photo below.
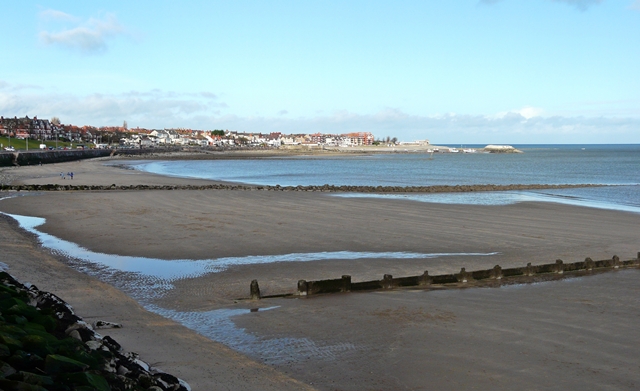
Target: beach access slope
(554, 335)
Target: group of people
(63, 175)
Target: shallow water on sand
(148, 279)
(596, 197)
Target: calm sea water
(616, 165)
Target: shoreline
(47, 178)
(322, 340)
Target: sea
(617, 167)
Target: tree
(55, 121)
(394, 140)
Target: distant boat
(453, 150)
(469, 150)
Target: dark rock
(55, 364)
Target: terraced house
(25, 127)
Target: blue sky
(488, 71)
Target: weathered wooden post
(425, 279)
(496, 273)
(589, 264)
(303, 288)
(615, 262)
(387, 281)
(559, 268)
(346, 283)
(528, 271)
(463, 276)
(255, 290)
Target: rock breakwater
(44, 345)
(323, 188)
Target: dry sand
(555, 335)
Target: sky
(457, 72)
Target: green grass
(33, 144)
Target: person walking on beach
(62, 175)
(71, 175)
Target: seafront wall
(6, 159)
(493, 277)
(48, 157)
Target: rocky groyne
(323, 188)
(44, 345)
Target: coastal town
(52, 134)
(48, 130)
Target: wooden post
(615, 262)
(497, 272)
(589, 264)
(303, 288)
(425, 279)
(559, 266)
(463, 276)
(528, 271)
(387, 281)
(255, 290)
(346, 283)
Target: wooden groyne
(494, 277)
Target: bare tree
(55, 120)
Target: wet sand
(544, 336)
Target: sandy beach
(575, 333)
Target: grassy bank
(32, 144)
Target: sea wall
(48, 157)
(6, 159)
(495, 276)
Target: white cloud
(149, 108)
(88, 36)
(525, 112)
(57, 16)
(449, 128)
(4, 85)
(159, 109)
(582, 5)
(530, 112)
